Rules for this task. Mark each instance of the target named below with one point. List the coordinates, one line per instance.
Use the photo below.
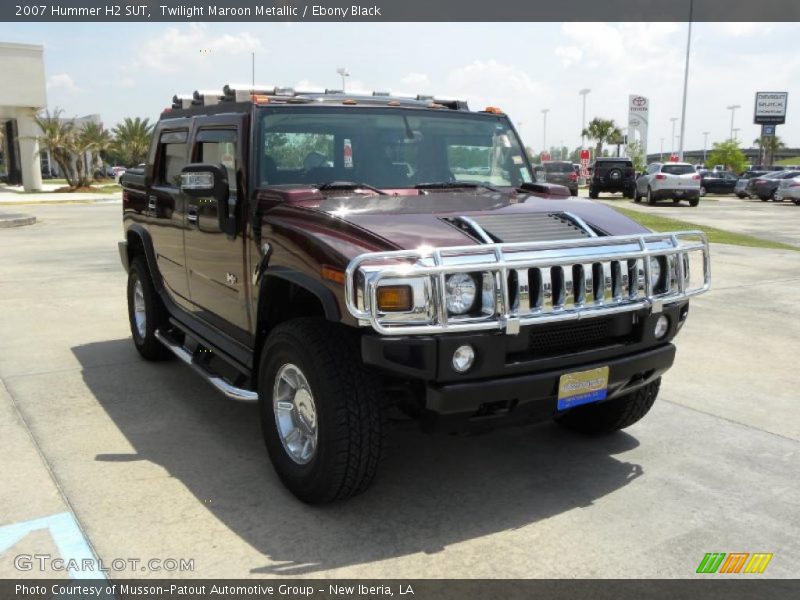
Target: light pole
(686, 80)
(733, 108)
(736, 133)
(661, 157)
(343, 72)
(705, 145)
(544, 128)
(672, 139)
(583, 93)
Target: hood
(407, 222)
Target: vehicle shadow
(432, 491)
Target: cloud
(417, 82)
(125, 82)
(62, 82)
(193, 46)
(569, 54)
(738, 30)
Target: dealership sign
(770, 108)
(638, 116)
(585, 157)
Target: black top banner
(398, 10)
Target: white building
(22, 95)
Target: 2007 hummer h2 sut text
(334, 256)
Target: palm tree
(59, 139)
(132, 140)
(602, 131)
(95, 139)
(769, 145)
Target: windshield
(388, 147)
(678, 169)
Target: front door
(166, 211)
(215, 259)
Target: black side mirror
(202, 180)
(206, 180)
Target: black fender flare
(146, 243)
(326, 297)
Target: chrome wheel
(702, 191)
(295, 413)
(139, 312)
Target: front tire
(611, 416)
(650, 198)
(593, 194)
(146, 312)
(694, 201)
(311, 378)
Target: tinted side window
(222, 150)
(172, 157)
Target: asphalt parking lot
(128, 459)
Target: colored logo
(735, 562)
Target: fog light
(463, 358)
(662, 327)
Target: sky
(119, 70)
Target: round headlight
(460, 290)
(655, 271)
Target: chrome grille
(536, 282)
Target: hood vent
(531, 227)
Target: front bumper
(514, 378)
(531, 398)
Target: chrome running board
(232, 392)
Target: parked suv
(335, 257)
(562, 173)
(612, 175)
(672, 180)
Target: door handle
(191, 214)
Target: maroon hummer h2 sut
(333, 257)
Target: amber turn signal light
(493, 110)
(332, 274)
(394, 298)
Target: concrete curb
(15, 220)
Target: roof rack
(245, 93)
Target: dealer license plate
(583, 387)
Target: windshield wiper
(450, 185)
(348, 185)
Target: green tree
(635, 151)
(769, 145)
(96, 141)
(729, 154)
(132, 140)
(602, 131)
(60, 139)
